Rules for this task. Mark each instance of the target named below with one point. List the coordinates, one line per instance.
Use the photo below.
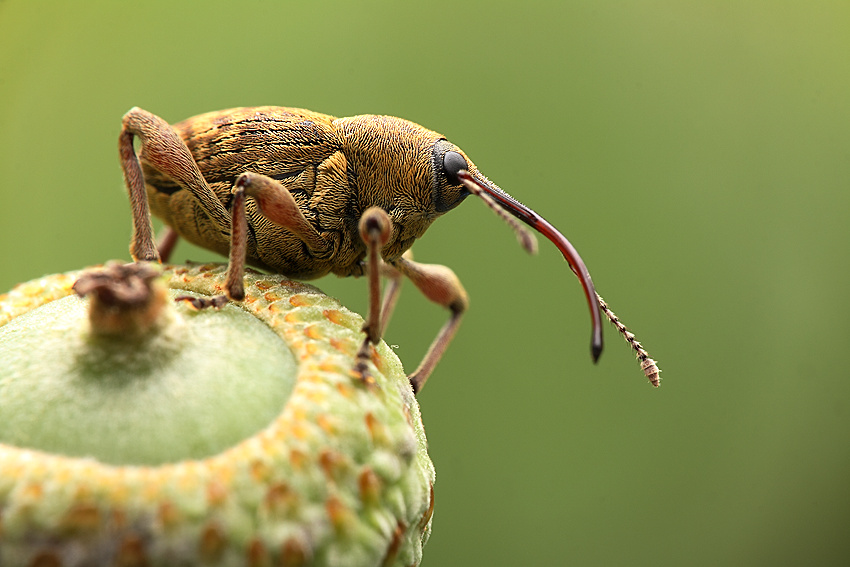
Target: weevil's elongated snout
(479, 185)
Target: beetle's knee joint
(375, 226)
(243, 180)
(459, 305)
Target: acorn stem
(128, 300)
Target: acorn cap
(233, 436)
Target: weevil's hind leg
(142, 246)
(440, 285)
(166, 242)
(164, 150)
(375, 229)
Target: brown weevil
(310, 194)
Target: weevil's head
(407, 170)
(398, 164)
(416, 175)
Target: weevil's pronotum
(310, 194)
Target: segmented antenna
(648, 365)
(526, 239)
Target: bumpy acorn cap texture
(216, 437)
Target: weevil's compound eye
(453, 162)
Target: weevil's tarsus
(648, 365)
(199, 303)
(481, 186)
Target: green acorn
(138, 431)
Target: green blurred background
(696, 153)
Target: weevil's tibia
(234, 279)
(391, 291)
(375, 230)
(648, 365)
(440, 285)
(234, 285)
(437, 283)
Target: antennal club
(647, 364)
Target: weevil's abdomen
(268, 139)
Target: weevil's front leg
(375, 229)
(167, 152)
(438, 283)
(442, 286)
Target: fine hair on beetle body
(305, 194)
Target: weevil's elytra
(305, 194)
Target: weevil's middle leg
(234, 287)
(166, 242)
(277, 205)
